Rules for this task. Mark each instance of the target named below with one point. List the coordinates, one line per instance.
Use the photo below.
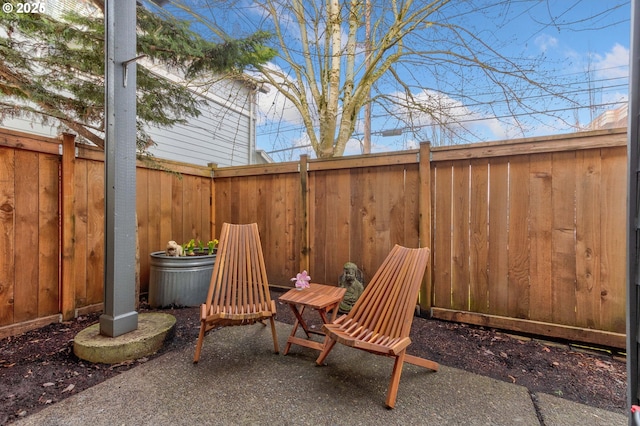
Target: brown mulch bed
(38, 368)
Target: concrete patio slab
(240, 381)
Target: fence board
(411, 204)
(80, 212)
(276, 245)
(329, 245)
(192, 208)
(292, 250)
(26, 244)
(373, 241)
(142, 216)
(7, 212)
(358, 253)
(367, 183)
(326, 232)
(382, 207)
(48, 245)
(498, 233)
(221, 204)
(68, 283)
(460, 236)
(613, 231)
(442, 217)
(315, 249)
(257, 188)
(203, 204)
(167, 232)
(563, 263)
(424, 215)
(540, 222)
(205, 207)
(282, 224)
(95, 232)
(393, 214)
(518, 238)
(155, 238)
(179, 194)
(479, 239)
(588, 177)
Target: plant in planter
(191, 248)
(201, 249)
(180, 275)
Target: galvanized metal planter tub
(179, 281)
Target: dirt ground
(38, 368)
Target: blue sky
(581, 45)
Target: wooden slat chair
(381, 319)
(239, 289)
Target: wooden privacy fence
(526, 235)
(531, 236)
(52, 225)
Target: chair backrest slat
(387, 303)
(242, 271)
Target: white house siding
(222, 134)
(28, 125)
(57, 8)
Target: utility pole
(367, 108)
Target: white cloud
(614, 64)
(273, 106)
(546, 42)
(496, 129)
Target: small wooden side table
(322, 298)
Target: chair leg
(276, 348)
(329, 343)
(392, 392)
(203, 328)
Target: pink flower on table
(302, 280)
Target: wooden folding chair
(381, 319)
(239, 289)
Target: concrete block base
(152, 331)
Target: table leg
(334, 312)
(299, 321)
(298, 309)
(323, 316)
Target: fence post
(68, 284)
(212, 202)
(303, 217)
(425, 226)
